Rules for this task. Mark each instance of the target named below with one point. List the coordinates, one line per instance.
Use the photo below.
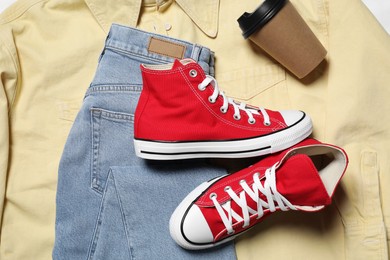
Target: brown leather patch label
(167, 48)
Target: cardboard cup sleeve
(279, 30)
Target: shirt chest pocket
(248, 82)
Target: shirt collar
(204, 13)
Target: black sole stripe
(208, 152)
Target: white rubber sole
(241, 148)
(175, 221)
(179, 213)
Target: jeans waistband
(139, 43)
(126, 48)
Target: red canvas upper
(172, 108)
(297, 179)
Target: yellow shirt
(48, 55)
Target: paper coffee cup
(279, 30)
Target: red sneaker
(301, 178)
(182, 114)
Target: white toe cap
(196, 228)
(292, 116)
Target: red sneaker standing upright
(182, 114)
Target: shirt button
(168, 26)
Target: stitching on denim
(95, 119)
(96, 233)
(116, 86)
(97, 114)
(196, 50)
(117, 115)
(130, 247)
(139, 55)
(112, 88)
(113, 115)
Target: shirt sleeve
(8, 82)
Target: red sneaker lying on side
(303, 177)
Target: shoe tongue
(180, 63)
(298, 180)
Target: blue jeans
(111, 204)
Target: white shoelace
(269, 190)
(226, 101)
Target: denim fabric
(111, 204)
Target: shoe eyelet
(237, 117)
(212, 101)
(267, 123)
(223, 111)
(251, 121)
(227, 188)
(213, 196)
(193, 73)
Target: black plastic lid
(250, 22)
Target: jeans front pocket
(112, 144)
